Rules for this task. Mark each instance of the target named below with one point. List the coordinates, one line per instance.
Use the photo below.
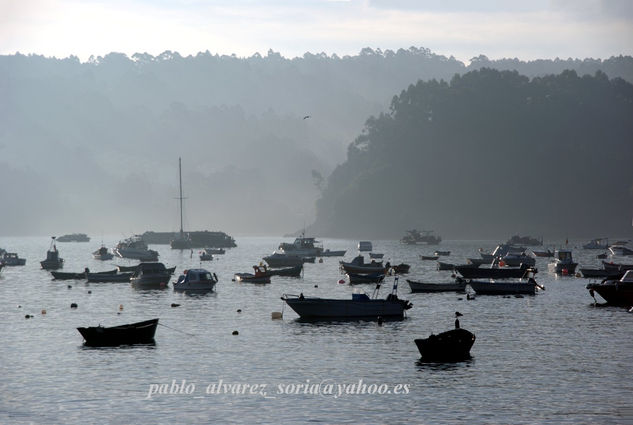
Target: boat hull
(491, 273)
(453, 345)
(559, 268)
(613, 293)
(251, 278)
(437, 287)
(133, 333)
(502, 288)
(284, 261)
(355, 278)
(321, 308)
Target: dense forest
(93, 146)
(488, 154)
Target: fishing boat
(133, 333)
(260, 275)
(505, 286)
(12, 259)
(277, 259)
(302, 247)
(459, 285)
(618, 292)
(102, 254)
(53, 260)
(328, 253)
(150, 276)
(449, 346)
(360, 306)
(563, 263)
(205, 256)
(593, 273)
(442, 253)
(75, 237)
(356, 278)
(288, 271)
(429, 257)
(414, 237)
(196, 280)
(493, 272)
(135, 248)
(358, 265)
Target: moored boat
(449, 346)
(493, 272)
(459, 285)
(328, 253)
(358, 265)
(260, 275)
(12, 259)
(563, 263)
(360, 306)
(133, 333)
(196, 280)
(108, 278)
(356, 278)
(505, 287)
(429, 257)
(53, 260)
(599, 273)
(277, 259)
(102, 254)
(150, 276)
(75, 237)
(442, 253)
(135, 248)
(597, 244)
(618, 292)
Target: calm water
(551, 358)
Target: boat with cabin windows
(135, 248)
(563, 263)
(302, 247)
(150, 276)
(12, 259)
(53, 260)
(196, 280)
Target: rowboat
(133, 333)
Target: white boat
(135, 248)
(505, 287)
(623, 248)
(302, 247)
(563, 263)
(102, 254)
(196, 280)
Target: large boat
(277, 259)
(196, 280)
(623, 248)
(199, 239)
(617, 292)
(563, 263)
(260, 276)
(150, 276)
(53, 260)
(524, 240)
(12, 259)
(597, 244)
(133, 333)
(414, 237)
(360, 306)
(75, 237)
(302, 247)
(135, 248)
(358, 265)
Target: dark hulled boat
(453, 345)
(494, 272)
(133, 333)
(618, 292)
(53, 260)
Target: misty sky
(462, 28)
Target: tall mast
(180, 197)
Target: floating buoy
(236, 333)
(239, 310)
(43, 311)
(69, 286)
(19, 306)
(175, 305)
(341, 281)
(276, 315)
(120, 307)
(73, 305)
(28, 316)
(90, 292)
(316, 286)
(502, 263)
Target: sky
(461, 28)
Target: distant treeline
(488, 154)
(96, 142)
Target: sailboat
(182, 241)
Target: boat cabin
(564, 256)
(364, 246)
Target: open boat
(449, 346)
(429, 257)
(355, 278)
(133, 333)
(288, 271)
(459, 285)
(360, 306)
(442, 253)
(196, 280)
(260, 276)
(505, 287)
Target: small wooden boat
(442, 253)
(449, 346)
(376, 255)
(196, 280)
(133, 333)
(289, 271)
(328, 253)
(445, 266)
(505, 287)
(108, 278)
(80, 275)
(260, 276)
(359, 307)
(355, 278)
(459, 285)
(429, 257)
